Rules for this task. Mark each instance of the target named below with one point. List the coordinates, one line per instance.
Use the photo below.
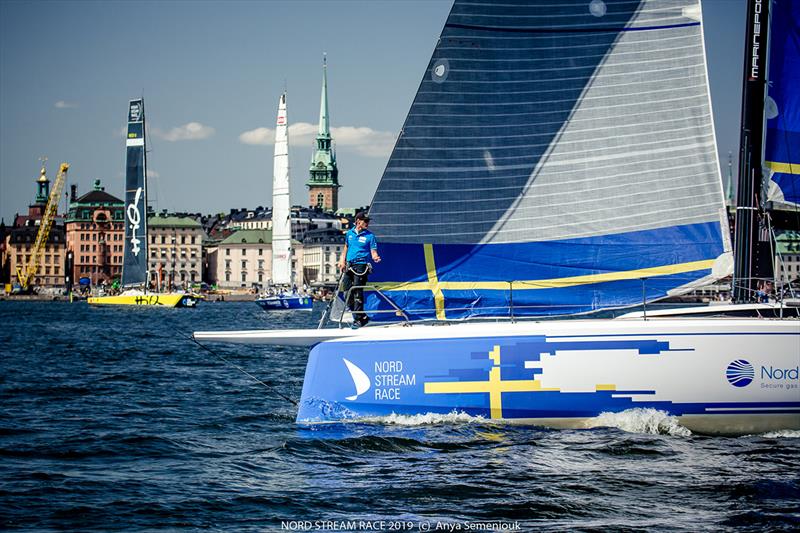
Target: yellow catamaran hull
(163, 300)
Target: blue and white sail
(134, 265)
(557, 156)
(782, 110)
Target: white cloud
(192, 131)
(153, 174)
(363, 140)
(62, 104)
(258, 136)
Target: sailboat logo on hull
(360, 380)
(740, 373)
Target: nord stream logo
(740, 373)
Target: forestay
(555, 155)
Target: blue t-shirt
(359, 245)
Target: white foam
(650, 421)
(427, 419)
(782, 434)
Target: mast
(281, 220)
(752, 260)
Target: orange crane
(26, 274)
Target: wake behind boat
(556, 160)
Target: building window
(163, 239)
(227, 276)
(320, 199)
(260, 251)
(244, 277)
(183, 239)
(244, 265)
(227, 251)
(193, 239)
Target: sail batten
(541, 127)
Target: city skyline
(211, 74)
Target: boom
(26, 274)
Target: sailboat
(283, 298)
(557, 159)
(135, 274)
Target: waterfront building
(176, 250)
(322, 250)
(323, 183)
(20, 243)
(20, 239)
(787, 259)
(5, 273)
(95, 234)
(303, 219)
(244, 260)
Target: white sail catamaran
(557, 159)
(284, 298)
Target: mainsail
(281, 222)
(782, 146)
(134, 266)
(558, 157)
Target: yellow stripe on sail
(784, 168)
(433, 282)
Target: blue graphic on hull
(497, 378)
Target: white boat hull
(719, 376)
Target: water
(111, 419)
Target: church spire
(324, 129)
(323, 183)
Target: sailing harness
(366, 268)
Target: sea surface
(112, 419)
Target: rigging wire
(240, 369)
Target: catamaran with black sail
(557, 159)
(135, 272)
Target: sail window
(597, 8)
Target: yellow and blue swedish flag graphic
(492, 377)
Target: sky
(211, 73)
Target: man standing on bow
(359, 246)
